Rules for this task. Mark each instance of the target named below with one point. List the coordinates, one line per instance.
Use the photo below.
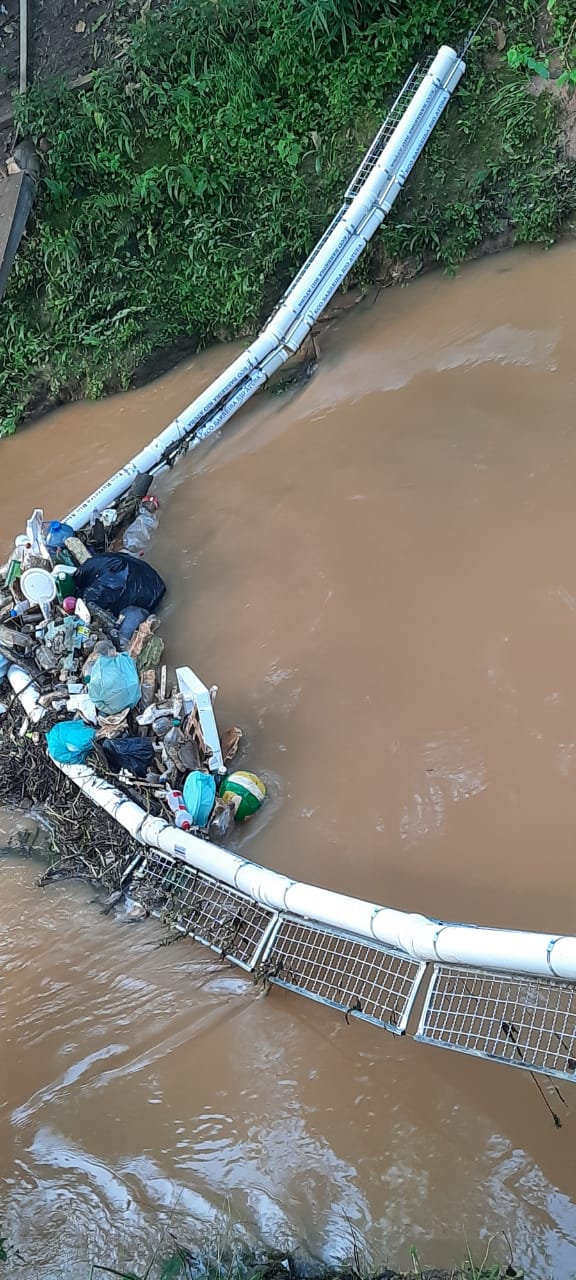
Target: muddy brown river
(379, 572)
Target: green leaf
(539, 68)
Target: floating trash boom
(494, 993)
(370, 196)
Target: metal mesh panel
(310, 259)
(527, 1022)
(369, 981)
(210, 912)
(385, 132)
(364, 169)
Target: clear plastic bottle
(139, 533)
(22, 607)
(179, 749)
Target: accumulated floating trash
(78, 639)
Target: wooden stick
(23, 46)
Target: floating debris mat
(203, 908)
(82, 840)
(526, 1022)
(363, 979)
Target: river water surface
(380, 573)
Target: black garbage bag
(116, 581)
(134, 754)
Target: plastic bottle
(148, 684)
(16, 563)
(179, 749)
(64, 580)
(55, 534)
(22, 607)
(221, 823)
(173, 738)
(161, 725)
(175, 801)
(139, 533)
(183, 820)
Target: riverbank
(179, 1262)
(182, 189)
(184, 1264)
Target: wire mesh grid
(364, 169)
(366, 980)
(387, 129)
(208, 911)
(311, 257)
(527, 1022)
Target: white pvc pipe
(322, 275)
(508, 950)
(27, 691)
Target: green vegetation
(179, 1267)
(225, 1261)
(184, 1264)
(181, 192)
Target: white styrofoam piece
(196, 695)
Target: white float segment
(322, 275)
(503, 950)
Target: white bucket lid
(38, 586)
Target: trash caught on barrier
(80, 646)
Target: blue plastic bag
(70, 741)
(199, 794)
(114, 683)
